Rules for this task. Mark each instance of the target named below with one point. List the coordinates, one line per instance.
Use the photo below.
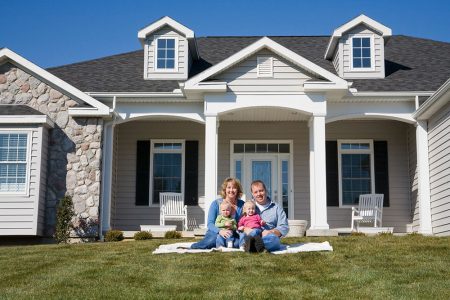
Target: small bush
(64, 216)
(172, 235)
(356, 233)
(142, 235)
(114, 236)
(386, 234)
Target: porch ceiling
(264, 114)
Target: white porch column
(317, 173)
(423, 178)
(105, 209)
(211, 126)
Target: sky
(52, 33)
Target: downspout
(114, 115)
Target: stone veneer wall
(74, 150)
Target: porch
(293, 191)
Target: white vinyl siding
(181, 56)
(23, 214)
(244, 77)
(377, 54)
(439, 159)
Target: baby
(226, 222)
(250, 224)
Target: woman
(231, 192)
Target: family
(254, 226)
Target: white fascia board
(392, 94)
(5, 53)
(361, 19)
(143, 33)
(27, 119)
(88, 112)
(264, 42)
(440, 98)
(323, 86)
(137, 95)
(217, 87)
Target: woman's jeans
(209, 241)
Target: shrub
(114, 236)
(172, 235)
(386, 234)
(64, 216)
(142, 235)
(356, 233)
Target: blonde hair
(247, 204)
(235, 182)
(225, 205)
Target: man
(276, 221)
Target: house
(321, 119)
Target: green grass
(383, 267)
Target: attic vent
(265, 66)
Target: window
(167, 168)
(13, 162)
(361, 52)
(165, 54)
(356, 175)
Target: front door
(269, 161)
(262, 167)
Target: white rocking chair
(370, 210)
(173, 208)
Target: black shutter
(142, 172)
(191, 173)
(381, 170)
(332, 173)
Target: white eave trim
(88, 112)
(27, 119)
(177, 94)
(392, 94)
(5, 53)
(278, 49)
(165, 21)
(314, 86)
(440, 98)
(361, 19)
(212, 87)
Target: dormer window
(362, 53)
(166, 54)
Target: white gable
(331, 81)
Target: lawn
(382, 267)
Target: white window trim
(26, 192)
(281, 156)
(153, 151)
(372, 53)
(355, 151)
(155, 62)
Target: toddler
(250, 224)
(226, 222)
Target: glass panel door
(265, 168)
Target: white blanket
(285, 249)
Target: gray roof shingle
(18, 110)
(412, 64)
